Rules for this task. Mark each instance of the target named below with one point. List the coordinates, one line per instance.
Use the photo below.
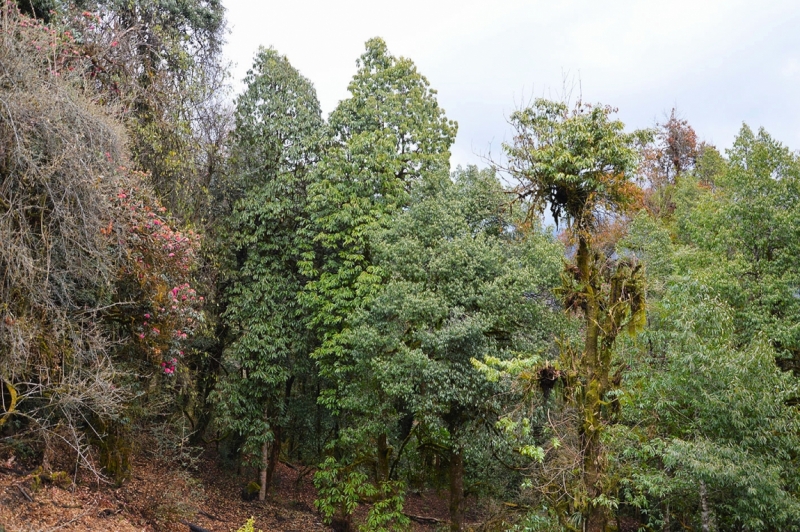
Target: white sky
(721, 62)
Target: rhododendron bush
(96, 304)
(164, 309)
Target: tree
(95, 280)
(460, 275)
(386, 136)
(580, 163)
(710, 436)
(278, 139)
(744, 233)
(674, 152)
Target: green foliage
(387, 135)
(575, 161)
(742, 239)
(276, 142)
(711, 412)
(339, 490)
(249, 526)
(374, 308)
(386, 514)
(458, 275)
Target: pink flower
(172, 255)
(147, 316)
(141, 335)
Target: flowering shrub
(166, 309)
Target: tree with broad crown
(460, 278)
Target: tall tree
(386, 136)
(460, 278)
(580, 163)
(744, 233)
(278, 139)
(674, 152)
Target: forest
(597, 331)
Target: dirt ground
(157, 498)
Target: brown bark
(382, 472)
(274, 456)
(456, 490)
(262, 492)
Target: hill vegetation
(277, 290)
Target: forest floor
(158, 498)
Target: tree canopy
(262, 285)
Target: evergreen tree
(278, 139)
(460, 279)
(386, 136)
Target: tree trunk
(596, 379)
(262, 492)
(705, 513)
(456, 490)
(382, 472)
(274, 456)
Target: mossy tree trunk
(456, 490)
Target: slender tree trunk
(456, 490)
(274, 456)
(665, 527)
(705, 513)
(262, 492)
(383, 458)
(262, 473)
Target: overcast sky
(720, 63)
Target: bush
(87, 258)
